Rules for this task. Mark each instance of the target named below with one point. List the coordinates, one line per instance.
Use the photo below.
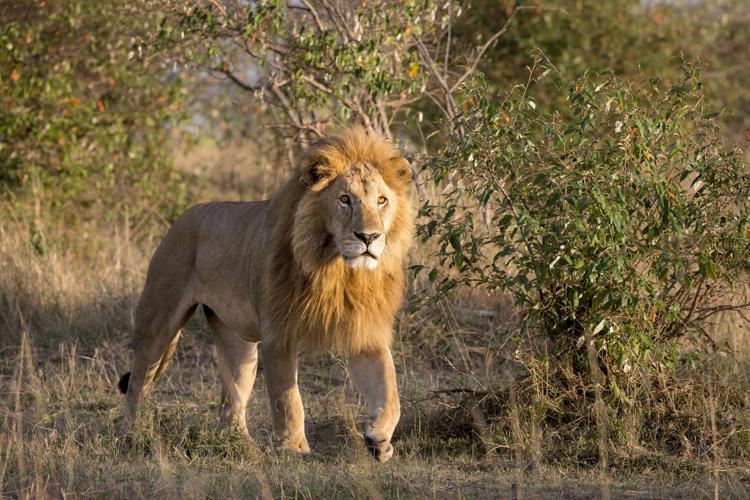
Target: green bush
(623, 217)
(630, 38)
(318, 64)
(83, 119)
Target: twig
(241, 84)
(448, 42)
(430, 63)
(459, 390)
(313, 13)
(353, 105)
(705, 334)
(338, 19)
(695, 298)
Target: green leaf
(455, 241)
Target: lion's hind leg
(238, 362)
(156, 333)
(163, 363)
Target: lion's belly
(237, 314)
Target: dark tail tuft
(123, 384)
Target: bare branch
(338, 19)
(314, 14)
(243, 85)
(261, 85)
(354, 106)
(448, 42)
(293, 114)
(438, 104)
(430, 63)
(707, 312)
(399, 103)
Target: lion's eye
(382, 200)
(344, 199)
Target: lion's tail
(165, 359)
(123, 383)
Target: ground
(69, 410)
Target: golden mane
(314, 301)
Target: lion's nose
(367, 238)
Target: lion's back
(210, 238)
(228, 236)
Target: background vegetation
(579, 290)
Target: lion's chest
(333, 315)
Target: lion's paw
(124, 442)
(382, 450)
(295, 447)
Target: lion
(318, 267)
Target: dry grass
(234, 169)
(484, 414)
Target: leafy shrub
(316, 62)
(630, 37)
(623, 218)
(83, 120)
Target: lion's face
(354, 209)
(361, 208)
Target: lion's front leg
(280, 373)
(374, 376)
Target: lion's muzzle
(363, 251)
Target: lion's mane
(313, 300)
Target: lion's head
(355, 206)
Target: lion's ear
(312, 173)
(316, 173)
(316, 168)
(402, 169)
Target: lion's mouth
(366, 253)
(364, 260)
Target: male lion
(316, 267)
